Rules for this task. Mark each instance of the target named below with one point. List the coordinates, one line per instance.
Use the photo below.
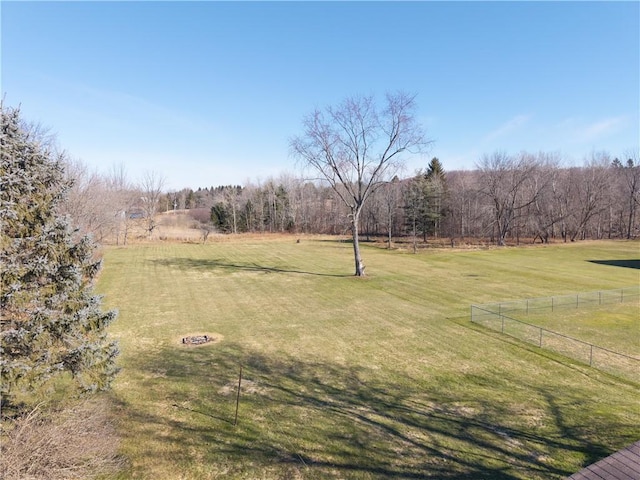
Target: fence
(556, 303)
(494, 316)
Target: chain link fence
(501, 317)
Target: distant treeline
(506, 198)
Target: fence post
(540, 338)
(235, 421)
(599, 298)
(591, 356)
(577, 300)
(502, 318)
(527, 306)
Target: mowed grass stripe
(354, 378)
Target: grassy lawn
(615, 326)
(355, 378)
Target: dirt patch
(199, 339)
(247, 386)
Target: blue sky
(209, 93)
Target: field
(381, 377)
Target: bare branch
(355, 147)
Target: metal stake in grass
(235, 421)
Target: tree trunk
(356, 246)
(632, 212)
(233, 211)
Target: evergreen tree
(436, 170)
(437, 185)
(51, 323)
(221, 217)
(424, 198)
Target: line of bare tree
(523, 197)
(111, 207)
(507, 198)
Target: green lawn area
(615, 326)
(381, 377)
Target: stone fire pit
(196, 339)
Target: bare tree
(587, 194)
(413, 195)
(206, 228)
(383, 210)
(43, 135)
(628, 175)
(232, 199)
(545, 213)
(101, 205)
(151, 186)
(88, 202)
(509, 184)
(464, 203)
(356, 147)
(125, 197)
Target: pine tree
(435, 170)
(424, 197)
(437, 181)
(51, 323)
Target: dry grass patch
(77, 442)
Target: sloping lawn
(381, 377)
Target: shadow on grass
(213, 264)
(618, 263)
(202, 413)
(324, 420)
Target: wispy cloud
(601, 128)
(112, 109)
(119, 105)
(507, 128)
(577, 130)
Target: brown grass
(77, 442)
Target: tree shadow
(175, 405)
(632, 263)
(325, 420)
(214, 264)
